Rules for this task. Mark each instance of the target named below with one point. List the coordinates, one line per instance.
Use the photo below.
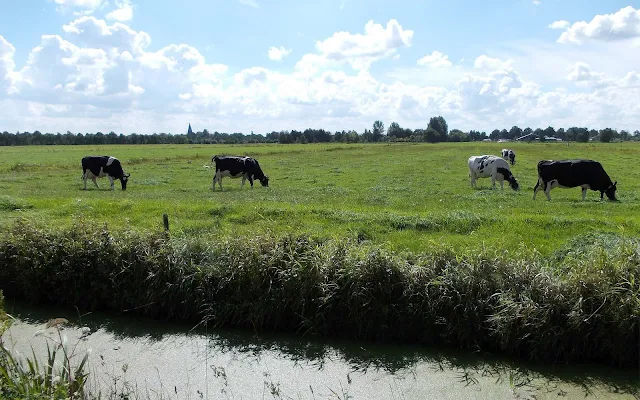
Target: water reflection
(361, 357)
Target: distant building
(534, 137)
(529, 136)
(189, 131)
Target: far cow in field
(587, 174)
(238, 167)
(509, 155)
(100, 166)
(492, 167)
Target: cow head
(611, 191)
(123, 180)
(514, 183)
(264, 181)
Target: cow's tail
(214, 159)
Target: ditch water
(174, 361)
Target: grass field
(406, 196)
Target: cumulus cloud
(123, 13)
(79, 7)
(581, 74)
(491, 63)
(98, 75)
(359, 50)
(623, 24)
(536, 2)
(562, 24)
(278, 53)
(435, 59)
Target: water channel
(158, 359)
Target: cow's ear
(615, 183)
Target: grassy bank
(579, 304)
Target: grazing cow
(236, 167)
(509, 155)
(491, 166)
(100, 166)
(587, 174)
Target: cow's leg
(493, 181)
(95, 182)
(535, 188)
(244, 178)
(220, 181)
(547, 190)
(84, 178)
(111, 182)
(250, 181)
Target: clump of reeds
(579, 305)
(25, 378)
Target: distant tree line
(437, 131)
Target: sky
(150, 66)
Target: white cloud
(536, 2)
(490, 63)
(435, 59)
(278, 53)
(105, 76)
(123, 13)
(359, 50)
(79, 7)
(562, 24)
(250, 3)
(623, 24)
(7, 66)
(581, 74)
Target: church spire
(189, 132)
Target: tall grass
(582, 304)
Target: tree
(475, 135)
(515, 132)
(550, 132)
(395, 130)
(494, 135)
(431, 135)
(582, 135)
(439, 125)
(606, 135)
(456, 135)
(378, 131)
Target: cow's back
(573, 172)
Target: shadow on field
(361, 356)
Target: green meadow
(402, 196)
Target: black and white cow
(100, 166)
(587, 174)
(491, 166)
(509, 155)
(236, 167)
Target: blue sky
(150, 66)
